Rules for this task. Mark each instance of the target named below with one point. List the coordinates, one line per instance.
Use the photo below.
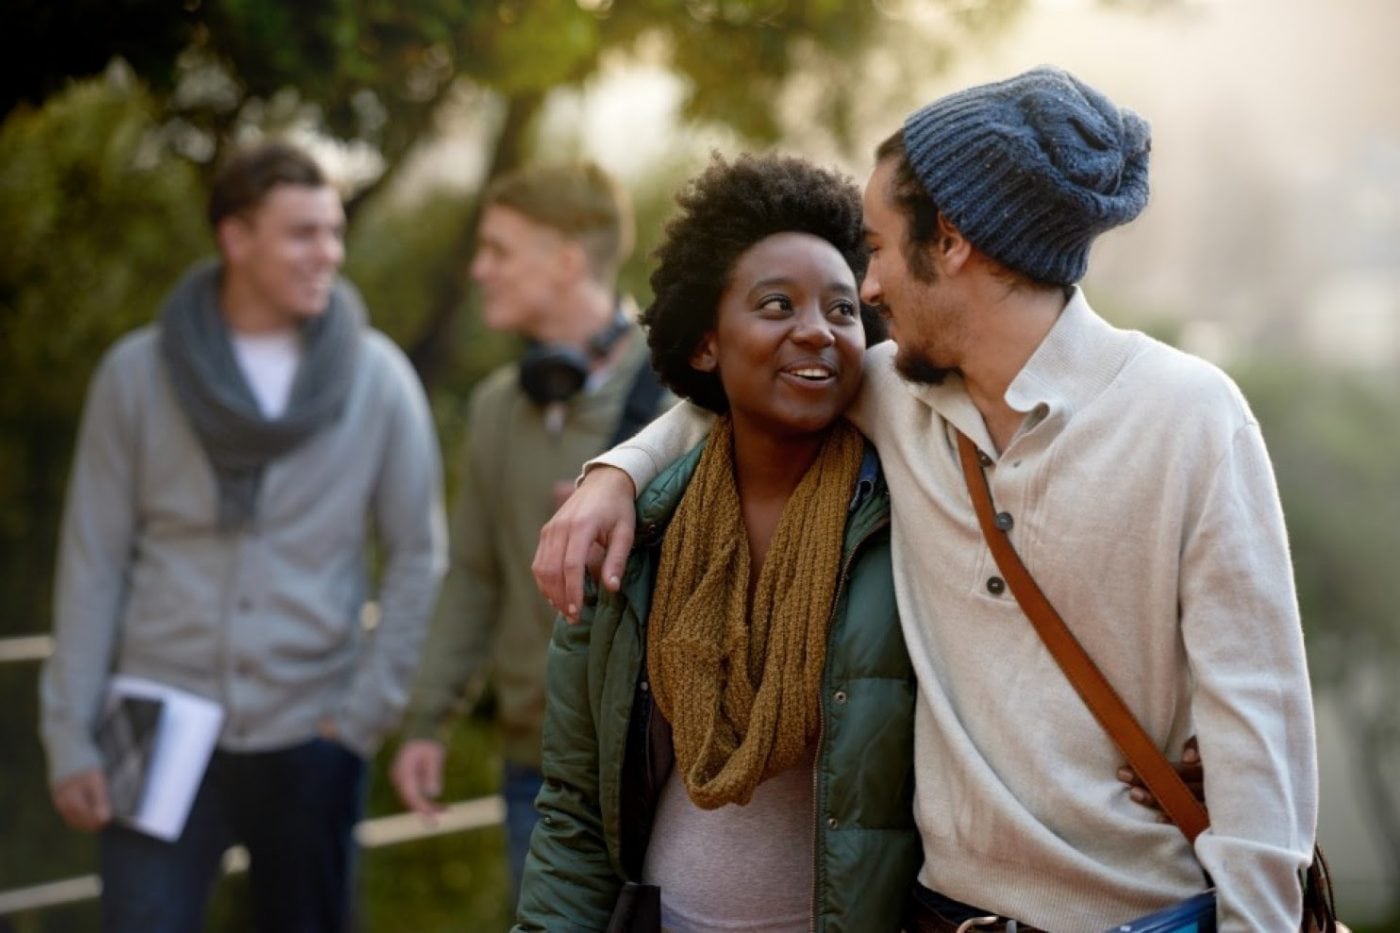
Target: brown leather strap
(1098, 694)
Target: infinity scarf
(739, 681)
(215, 396)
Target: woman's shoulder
(870, 501)
(659, 500)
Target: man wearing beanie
(1133, 482)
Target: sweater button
(839, 696)
(1005, 521)
(983, 459)
(831, 822)
(996, 586)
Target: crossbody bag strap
(1089, 682)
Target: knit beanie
(1031, 169)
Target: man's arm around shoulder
(600, 513)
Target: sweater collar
(1075, 362)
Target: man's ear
(951, 249)
(572, 261)
(704, 358)
(233, 236)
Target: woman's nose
(814, 329)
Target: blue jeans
(294, 810)
(520, 786)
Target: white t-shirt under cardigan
(1144, 503)
(269, 363)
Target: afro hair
(724, 211)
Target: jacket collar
(659, 501)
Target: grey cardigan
(265, 621)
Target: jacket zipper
(821, 722)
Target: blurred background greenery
(113, 114)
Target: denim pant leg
(520, 787)
(296, 809)
(153, 886)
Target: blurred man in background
(550, 243)
(231, 464)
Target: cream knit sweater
(1145, 505)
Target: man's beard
(920, 369)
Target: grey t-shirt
(736, 868)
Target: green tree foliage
(44, 46)
(1335, 441)
(94, 215)
(352, 57)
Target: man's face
(925, 323)
(521, 268)
(287, 250)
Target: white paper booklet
(184, 741)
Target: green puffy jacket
(607, 752)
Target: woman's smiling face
(788, 344)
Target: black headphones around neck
(556, 372)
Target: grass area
(456, 882)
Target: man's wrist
(428, 727)
(614, 476)
(72, 758)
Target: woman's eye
(775, 304)
(845, 309)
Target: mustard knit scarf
(739, 680)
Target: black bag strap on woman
(1162, 780)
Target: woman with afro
(728, 742)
